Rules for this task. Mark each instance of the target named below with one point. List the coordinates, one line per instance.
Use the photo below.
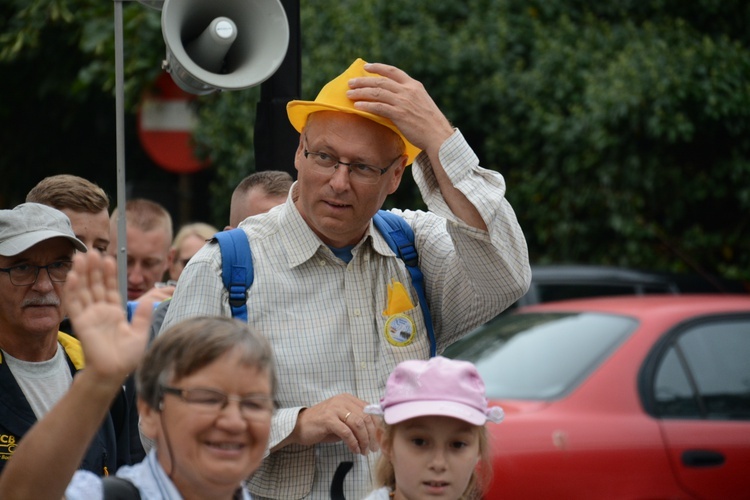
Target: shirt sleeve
(200, 290)
(478, 274)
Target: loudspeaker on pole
(222, 44)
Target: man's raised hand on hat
(405, 102)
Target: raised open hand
(112, 347)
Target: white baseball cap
(30, 223)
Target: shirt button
(321, 263)
(363, 365)
(357, 312)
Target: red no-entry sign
(165, 125)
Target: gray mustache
(46, 300)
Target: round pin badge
(399, 330)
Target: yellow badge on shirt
(398, 299)
(399, 328)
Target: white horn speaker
(223, 44)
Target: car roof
(585, 274)
(594, 274)
(642, 305)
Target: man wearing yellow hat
(331, 295)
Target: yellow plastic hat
(332, 97)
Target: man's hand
(340, 418)
(405, 102)
(112, 347)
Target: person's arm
(483, 266)
(407, 104)
(49, 454)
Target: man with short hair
(258, 193)
(332, 296)
(85, 204)
(255, 194)
(149, 238)
(37, 362)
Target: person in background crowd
(206, 399)
(258, 193)
(149, 237)
(432, 435)
(190, 238)
(85, 204)
(255, 194)
(328, 290)
(37, 361)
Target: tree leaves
(621, 127)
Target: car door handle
(702, 458)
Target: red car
(619, 398)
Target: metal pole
(122, 244)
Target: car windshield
(541, 356)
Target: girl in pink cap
(433, 438)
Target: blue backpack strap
(236, 269)
(400, 237)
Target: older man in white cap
(338, 304)
(37, 362)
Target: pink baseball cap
(436, 387)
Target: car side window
(705, 372)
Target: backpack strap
(118, 488)
(400, 237)
(237, 264)
(236, 269)
(337, 484)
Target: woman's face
(208, 452)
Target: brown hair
(66, 191)
(480, 478)
(195, 343)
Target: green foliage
(644, 119)
(621, 126)
(225, 135)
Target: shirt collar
(302, 243)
